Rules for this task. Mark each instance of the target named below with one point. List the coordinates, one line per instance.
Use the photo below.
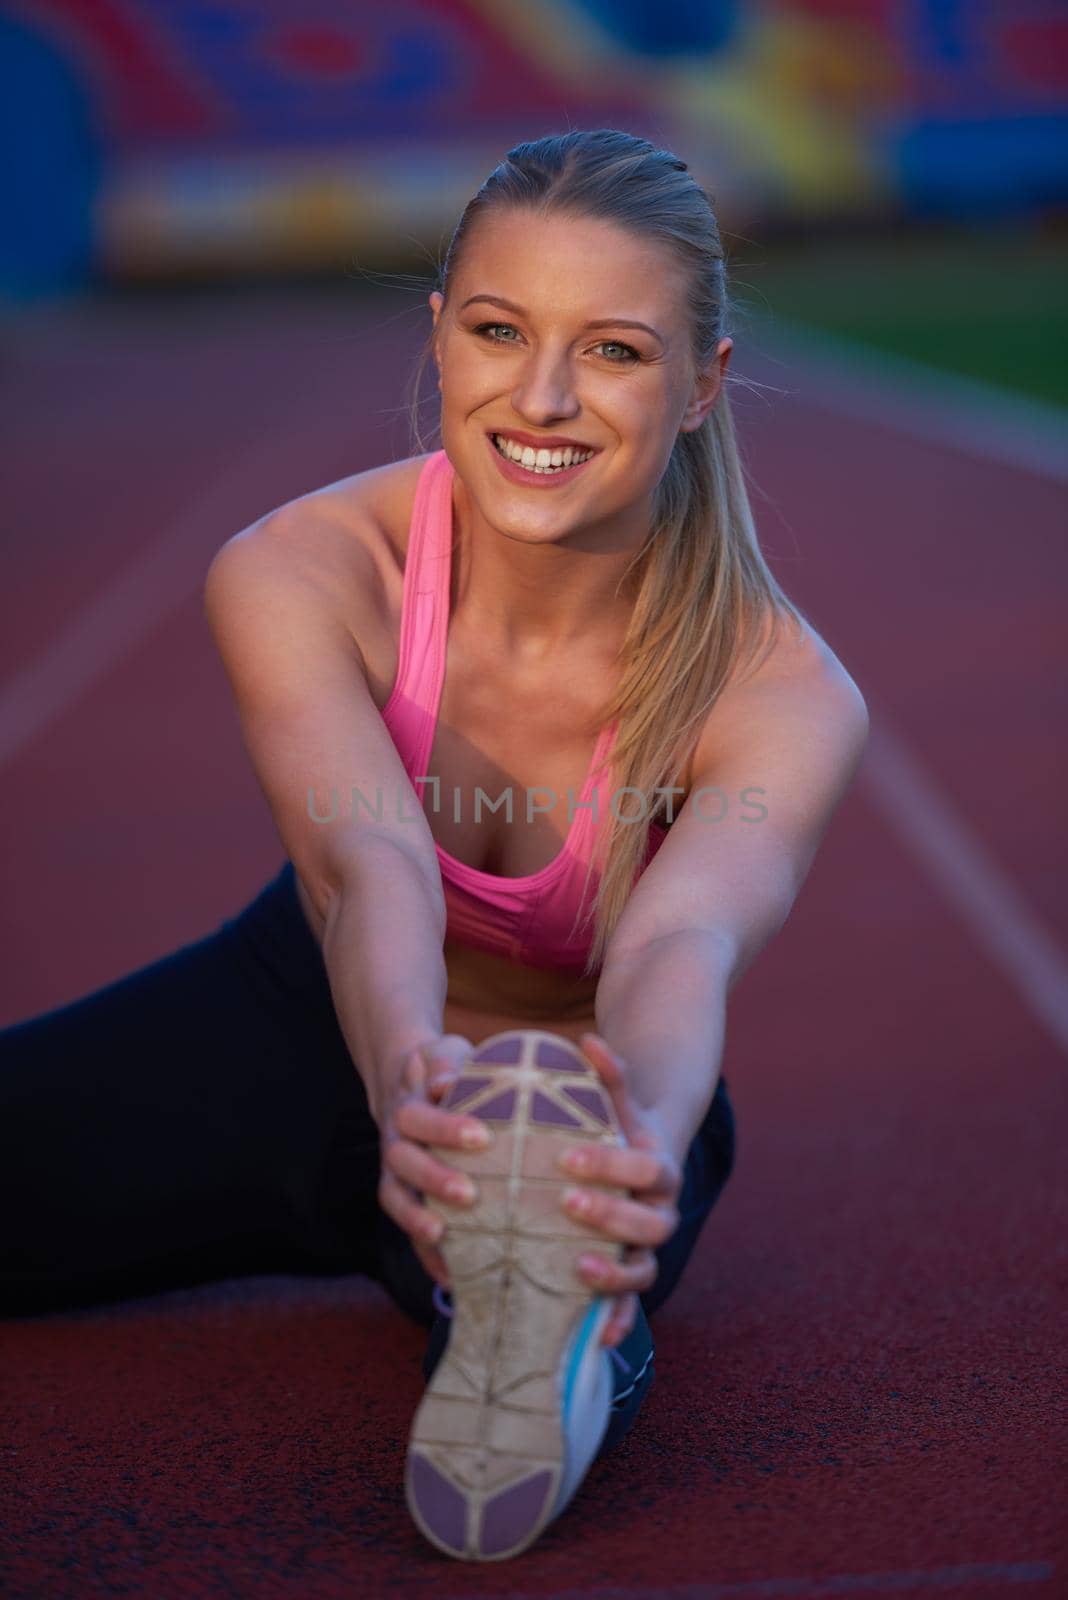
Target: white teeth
(540, 461)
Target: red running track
(860, 1381)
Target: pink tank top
(527, 919)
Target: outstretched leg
(175, 1126)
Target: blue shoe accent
(581, 1341)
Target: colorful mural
(161, 136)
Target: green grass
(989, 306)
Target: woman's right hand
(411, 1119)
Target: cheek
(466, 380)
(644, 398)
(648, 420)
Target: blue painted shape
(653, 28)
(942, 31)
(50, 160)
(970, 166)
(408, 60)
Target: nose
(546, 389)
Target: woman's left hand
(645, 1220)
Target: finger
(413, 1073)
(610, 1069)
(418, 1168)
(630, 1221)
(416, 1220)
(435, 1062)
(633, 1275)
(603, 1059)
(451, 1058)
(630, 1168)
(433, 1262)
(447, 1056)
(439, 1087)
(619, 1324)
(417, 1119)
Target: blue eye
(485, 329)
(630, 353)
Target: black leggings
(201, 1118)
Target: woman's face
(538, 368)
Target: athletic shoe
(517, 1406)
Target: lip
(544, 441)
(534, 480)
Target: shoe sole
(487, 1452)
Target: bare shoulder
(344, 543)
(280, 599)
(790, 685)
(375, 504)
(360, 518)
(792, 653)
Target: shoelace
(446, 1311)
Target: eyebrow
(602, 322)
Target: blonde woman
(550, 754)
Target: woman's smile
(537, 469)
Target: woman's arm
(776, 757)
(663, 1008)
(273, 600)
(715, 894)
(382, 948)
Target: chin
(520, 522)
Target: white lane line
(980, 1574)
(982, 420)
(997, 915)
(156, 582)
(840, 375)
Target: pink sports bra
(529, 918)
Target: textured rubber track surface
(487, 1451)
(859, 1386)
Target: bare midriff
(487, 994)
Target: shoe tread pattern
(487, 1450)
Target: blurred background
(892, 170)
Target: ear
(437, 301)
(706, 388)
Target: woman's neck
(532, 602)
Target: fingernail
(460, 1189)
(576, 1161)
(474, 1136)
(592, 1267)
(577, 1201)
(433, 1229)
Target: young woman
(548, 749)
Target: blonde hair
(704, 596)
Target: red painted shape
(324, 52)
(1036, 52)
(139, 92)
